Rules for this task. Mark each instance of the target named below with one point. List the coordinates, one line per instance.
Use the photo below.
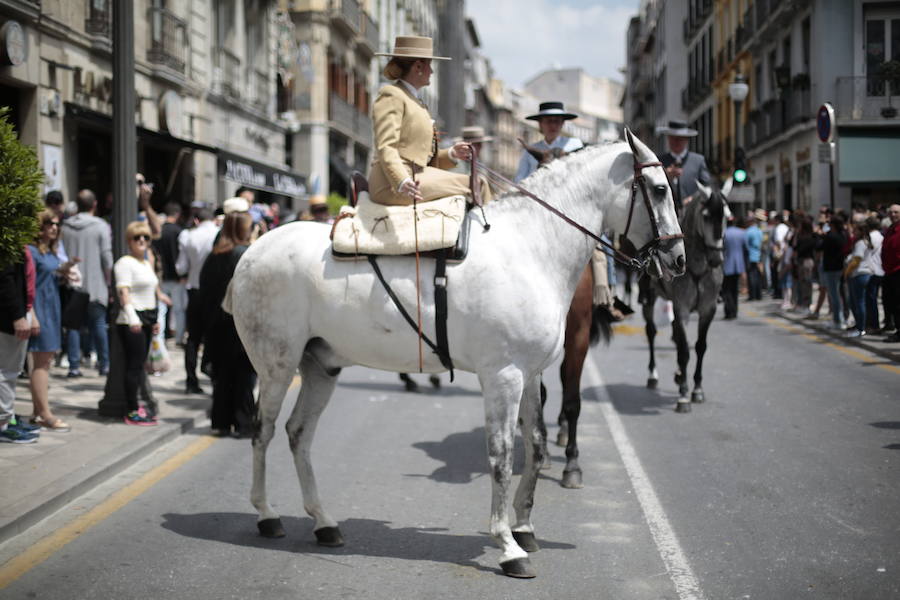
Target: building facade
(204, 80)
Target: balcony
(228, 73)
(99, 19)
(369, 32)
(346, 13)
(168, 39)
(347, 117)
(867, 99)
(798, 106)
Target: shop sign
(243, 173)
(13, 44)
(262, 177)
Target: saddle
(438, 228)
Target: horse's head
(708, 226)
(648, 219)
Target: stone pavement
(40, 478)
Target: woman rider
(407, 165)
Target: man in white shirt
(194, 245)
(550, 118)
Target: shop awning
(102, 121)
(258, 176)
(868, 155)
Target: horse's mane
(567, 172)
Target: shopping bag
(158, 360)
(663, 314)
(74, 313)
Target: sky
(524, 37)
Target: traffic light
(740, 166)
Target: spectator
(172, 285)
(144, 192)
(890, 262)
(857, 273)
(733, 267)
(753, 246)
(43, 346)
(833, 243)
(136, 322)
(194, 245)
(88, 239)
(873, 224)
(54, 201)
(804, 262)
(779, 233)
(318, 209)
(17, 324)
(232, 374)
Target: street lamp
(738, 90)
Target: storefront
(271, 183)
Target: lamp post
(738, 90)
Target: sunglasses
(143, 236)
(53, 223)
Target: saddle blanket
(372, 228)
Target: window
(881, 44)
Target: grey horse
(703, 223)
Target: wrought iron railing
(228, 67)
(798, 106)
(168, 39)
(98, 21)
(867, 98)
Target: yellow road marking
(848, 351)
(295, 382)
(47, 547)
(628, 329)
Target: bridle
(643, 256)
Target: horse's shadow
(463, 455)
(365, 537)
(630, 399)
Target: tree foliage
(20, 201)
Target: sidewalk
(40, 478)
(873, 343)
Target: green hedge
(20, 200)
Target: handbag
(74, 312)
(148, 317)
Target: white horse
(294, 305)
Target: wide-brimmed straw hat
(473, 134)
(761, 214)
(236, 204)
(678, 129)
(552, 109)
(413, 46)
(317, 201)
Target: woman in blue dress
(44, 346)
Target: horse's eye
(660, 189)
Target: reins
(643, 254)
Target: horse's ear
(707, 191)
(629, 137)
(726, 189)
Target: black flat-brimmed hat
(552, 109)
(678, 129)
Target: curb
(893, 356)
(59, 493)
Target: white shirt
(140, 279)
(412, 89)
(529, 164)
(194, 245)
(870, 258)
(781, 231)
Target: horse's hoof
(526, 540)
(698, 397)
(435, 381)
(683, 390)
(270, 528)
(652, 383)
(329, 536)
(683, 406)
(411, 386)
(571, 480)
(518, 567)
(562, 438)
(546, 463)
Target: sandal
(56, 424)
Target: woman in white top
(136, 323)
(864, 263)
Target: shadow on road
(424, 388)
(465, 457)
(364, 537)
(634, 399)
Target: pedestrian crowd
(853, 260)
(68, 302)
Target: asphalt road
(784, 483)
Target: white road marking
(670, 551)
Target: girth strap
(440, 296)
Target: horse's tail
(601, 325)
(226, 302)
